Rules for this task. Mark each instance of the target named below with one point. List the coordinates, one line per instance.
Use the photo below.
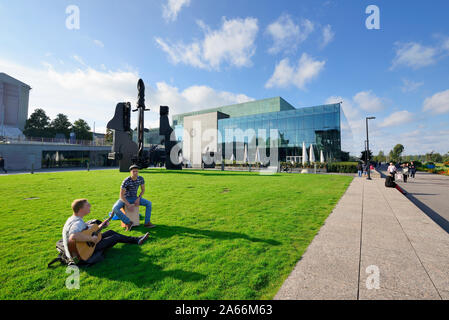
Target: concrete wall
(194, 127)
(14, 99)
(24, 156)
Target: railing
(42, 140)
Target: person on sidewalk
(2, 164)
(359, 169)
(128, 197)
(72, 232)
(391, 170)
(365, 168)
(405, 171)
(412, 168)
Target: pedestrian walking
(405, 171)
(359, 169)
(2, 164)
(412, 168)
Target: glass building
(263, 123)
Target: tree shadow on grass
(165, 231)
(130, 264)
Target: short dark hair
(134, 166)
(77, 204)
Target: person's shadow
(165, 231)
(130, 264)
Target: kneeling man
(128, 197)
(75, 224)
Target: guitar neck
(101, 228)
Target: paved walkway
(373, 226)
(53, 170)
(430, 193)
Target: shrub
(342, 167)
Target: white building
(14, 96)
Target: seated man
(75, 224)
(128, 197)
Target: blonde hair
(77, 204)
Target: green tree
(380, 157)
(395, 154)
(38, 125)
(109, 136)
(82, 130)
(61, 124)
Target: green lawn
(219, 235)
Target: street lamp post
(367, 148)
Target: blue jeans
(360, 173)
(120, 204)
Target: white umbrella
(245, 155)
(232, 157)
(304, 154)
(312, 154)
(321, 157)
(257, 159)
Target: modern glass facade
(318, 126)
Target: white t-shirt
(73, 225)
(391, 169)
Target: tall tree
(82, 130)
(395, 154)
(61, 124)
(380, 157)
(38, 124)
(109, 136)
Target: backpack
(64, 260)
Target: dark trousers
(3, 168)
(111, 238)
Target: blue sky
(200, 54)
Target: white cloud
(285, 75)
(368, 101)
(409, 85)
(192, 98)
(233, 44)
(438, 103)
(328, 35)
(172, 9)
(287, 35)
(99, 43)
(397, 118)
(92, 94)
(414, 55)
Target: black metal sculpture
(170, 139)
(123, 147)
(125, 150)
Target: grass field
(219, 235)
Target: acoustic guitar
(83, 249)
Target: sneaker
(149, 225)
(129, 226)
(143, 238)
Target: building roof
(7, 78)
(242, 109)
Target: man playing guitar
(72, 232)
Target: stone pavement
(430, 193)
(376, 228)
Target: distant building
(319, 126)
(14, 97)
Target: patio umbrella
(257, 159)
(321, 157)
(304, 154)
(312, 154)
(245, 155)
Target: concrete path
(430, 193)
(53, 170)
(376, 228)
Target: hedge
(342, 167)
